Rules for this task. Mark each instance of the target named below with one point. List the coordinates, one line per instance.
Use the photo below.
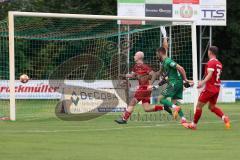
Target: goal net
(75, 62)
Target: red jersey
(213, 85)
(142, 73)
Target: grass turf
(40, 136)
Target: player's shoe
(183, 121)
(227, 122)
(121, 121)
(185, 125)
(176, 110)
(191, 126)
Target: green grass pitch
(38, 136)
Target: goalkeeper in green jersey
(173, 76)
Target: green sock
(180, 113)
(166, 102)
(169, 103)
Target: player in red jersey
(143, 73)
(210, 93)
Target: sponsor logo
(209, 14)
(186, 11)
(158, 10)
(100, 95)
(74, 98)
(31, 89)
(106, 109)
(85, 100)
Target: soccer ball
(24, 78)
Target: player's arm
(207, 78)
(182, 71)
(131, 75)
(158, 73)
(187, 83)
(154, 76)
(164, 34)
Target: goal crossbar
(104, 17)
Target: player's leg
(180, 112)
(166, 108)
(158, 97)
(138, 95)
(213, 108)
(197, 116)
(146, 103)
(202, 100)
(127, 113)
(174, 91)
(178, 94)
(168, 104)
(151, 108)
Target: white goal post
(13, 14)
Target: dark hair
(213, 49)
(161, 49)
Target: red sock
(158, 108)
(197, 115)
(126, 115)
(217, 111)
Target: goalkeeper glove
(186, 85)
(162, 82)
(164, 32)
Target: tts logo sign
(212, 13)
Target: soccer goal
(80, 59)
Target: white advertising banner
(226, 95)
(188, 95)
(131, 8)
(80, 96)
(34, 89)
(213, 13)
(40, 89)
(100, 100)
(188, 9)
(205, 12)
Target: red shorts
(142, 94)
(207, 96)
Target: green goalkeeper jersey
(174, 89)
(169, 67)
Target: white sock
(183, 118)
(173, 106)
(223, 117)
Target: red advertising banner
(186, 1)
(131, 22)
